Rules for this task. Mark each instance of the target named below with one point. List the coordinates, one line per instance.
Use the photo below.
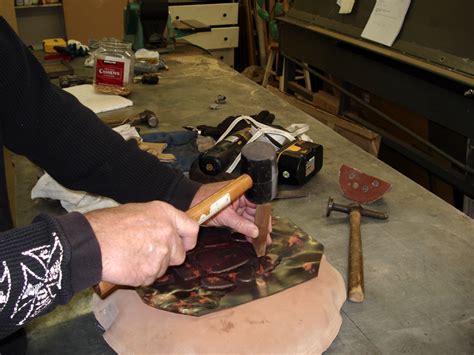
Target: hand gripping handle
(201, 212)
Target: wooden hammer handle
(201, 212)
(212, 205)
(356, 267)
(104, 289)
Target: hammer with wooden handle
(201, 212)
(356, 291)
(259, 161)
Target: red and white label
(112, 71)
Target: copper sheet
(223, 270)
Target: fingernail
(254, 232)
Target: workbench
(419, 264)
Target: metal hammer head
(332, 206)
(259, 161)
(146, 117)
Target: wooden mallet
(259, 161)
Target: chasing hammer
(215, 203)
(356, 291)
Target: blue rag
(182, 144)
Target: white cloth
(79, 201)
(71, 200)
(147, 55)
(98, 102)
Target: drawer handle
(225, 38)
(224, 15)
(177, 17)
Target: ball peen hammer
(215, 203)
(356, 291)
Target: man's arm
(65, 138)
(43, 264)
(38, 269)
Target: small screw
(221, 99)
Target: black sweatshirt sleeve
(65, 138)
(38, 264)
(43, 264)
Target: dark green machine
(147, 24)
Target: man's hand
(139, 241)
(239, 216)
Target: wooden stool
(274, 48)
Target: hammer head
(259, 161)
(332, 206)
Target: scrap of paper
(386, 21)
(345, 6)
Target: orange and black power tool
(298, 161)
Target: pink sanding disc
(360, 187)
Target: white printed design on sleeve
(39, 291)
(5, 286)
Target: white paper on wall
(386, 21)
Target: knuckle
(178, 258)
(191, 244)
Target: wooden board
(7, 10)
(91, 19)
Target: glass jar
(113, 67)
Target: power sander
(298, 161)
(218, 158)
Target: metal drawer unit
(224, 34)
